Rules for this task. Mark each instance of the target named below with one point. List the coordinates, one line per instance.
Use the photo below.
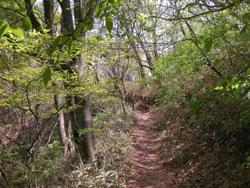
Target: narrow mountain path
(148, 169)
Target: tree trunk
(78, 11)
(65, 138)
(80, 119)
(83, 114)
(80, 115)
(67, 143)
(67, 19)
(68, 27)
(3, 174)
(87, 125)
(30, 13)
(49, 14)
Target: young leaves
(193, 104)
(109, 23)
(105, 10)
(57, 43)
(71, 46)
(46, 75)
(16, 31)
(26, 23)
(3, 29)
(245, 20)
(208, 45)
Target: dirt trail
(148, 169)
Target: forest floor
(148, 164)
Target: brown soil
(148, 164)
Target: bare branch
(3, 174)
(29, 102)
(196, 15)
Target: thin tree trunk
(147, 54)
(65, 139)
(68, 148)
(3, 174)
(78, 11)
(88, 124)
(138, 59)
(136, 53)
(80, 117)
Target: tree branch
(29, 102)
(3, 174)
(12, 10)
(196, 15)
(209, 63)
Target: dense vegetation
(73, 71)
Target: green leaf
(79, 29)
(248, 71)
(248, 95)
(89, 24)
(244, 29)
(57, 43)
(17, 31)
(100, 9)
(219, 88)
(97, 10)
(246, 17)
(70, 46)
(3, 29)
(109, 23)
(2, 23)
(142, 16)
(47, 75)
(26, 23)
(208, 45)
(83, 27)
(193, 104)
(86, 131)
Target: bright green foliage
(31, 76)
(26, 23)
(172, 71)
(6, 29)
(106, 9)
